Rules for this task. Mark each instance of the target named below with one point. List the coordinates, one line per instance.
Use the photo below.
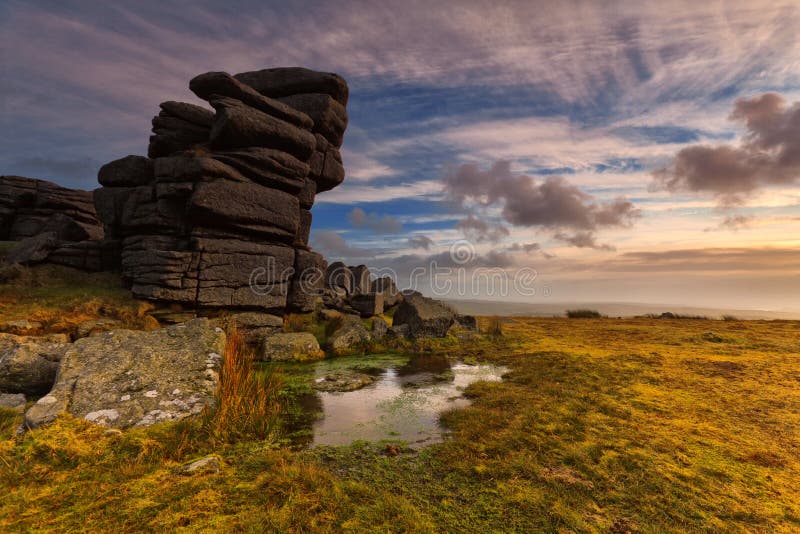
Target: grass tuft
(492, 326)
(247, 402)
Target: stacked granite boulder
(218, 213)
(53, 224)
(353, 287)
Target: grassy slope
(61, 298)
(644, 425)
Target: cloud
(733, 223)
(528, 248)
(768, 155)
(332, 244)
(372, 221)
(420, 241)
(552, 203)
(583, 240)
(351, 194)
(481, 231)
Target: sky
(602, 151)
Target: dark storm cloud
(372, 221)
(769, 154)
(552, 203)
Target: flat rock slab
(127, 378)
(343, 381)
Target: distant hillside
(612, 309)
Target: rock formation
(54, 224)
(126, 378)
(218, 213)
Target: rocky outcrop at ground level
(126, 378)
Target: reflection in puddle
(402, 404)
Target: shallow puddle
(403, 402)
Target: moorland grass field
(601, 425)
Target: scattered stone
(95, 326)
(368, 304)
(400, 331)
(20, 327)
(207, 465)
(329, 315)
(424, 316)
(13, 401)
(291, 346)
(343, 381)
(28, 365)
(361, 279)
(126, 378)
(350, 333)
(386, 287)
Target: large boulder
(329, 116)
(424, 316)
(290, 346)
(386, 287)
(126, 378)
(350, 333)
(286, 81)
(128, 171)
(361, 279)
(367, 305)
(308, 281)
(177, 128)
(237, 125)
(246, 208)
(28, 205)
(28, 365)
(267, 166)
(211, 84)
(13, 401)
(338, 275)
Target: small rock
(343, 381)
(20, 327)
(28, 365)
(297, 346)
(207, 465)
(96, 326)
(13, 401)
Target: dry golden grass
(247, 403)
(61, 298)
(641, 425)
